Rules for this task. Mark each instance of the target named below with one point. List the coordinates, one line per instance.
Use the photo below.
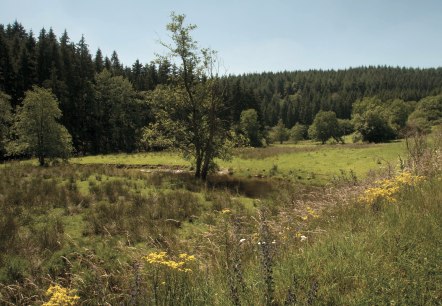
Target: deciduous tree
(324, 126)
(298, 132)
(280, 132)
(428, 112)
(371, 119)
(117, 114)
(192, 104)
(249, 125)
(37, 129)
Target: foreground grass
(89, 228)
(105, 234)
(391, 255)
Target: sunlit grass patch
(152, 158)
(317, 164)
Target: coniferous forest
(103, 101)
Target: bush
(298, 132)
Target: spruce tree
(98, 61)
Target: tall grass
(122, 236)
(391, 256)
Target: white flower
(303, 238)
(242, 240)
(274, 242)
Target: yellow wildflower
(226, 211)
(186, 256)
(387, 189)
(61, 296)
(162, 259)
(312, 212)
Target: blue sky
(252, 36)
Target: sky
(251, 35)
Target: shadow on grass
(249, 187)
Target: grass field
(318, 164)
(135, 235)
(159, 158)
(305, 162)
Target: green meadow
(307, 162)
(285, 225)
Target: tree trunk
(205, 169)
(41, 160)
(198, 167)
(204, 173)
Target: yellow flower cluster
(387, 189)
(406, 178)
(61, 296)
(226, 211)
(162, 259)
(310, 212)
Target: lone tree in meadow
(189, 110)
(37, 130)
(324, 126)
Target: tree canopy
(371, 119)
(298, 132)
(68, 68)
(119, 114)
(325, 126)
(192, 105)
(249, 125)
(37, 130)
(279, 132)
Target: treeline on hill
(104, 104)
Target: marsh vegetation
(116, 234)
